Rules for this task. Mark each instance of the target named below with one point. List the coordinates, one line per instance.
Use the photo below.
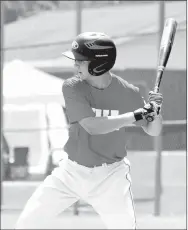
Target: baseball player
(99, 106)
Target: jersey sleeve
(76, 104)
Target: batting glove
(142, 113)
(156, 99)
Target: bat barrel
(165, 48)
(168, 32)
(171, 22)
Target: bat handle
(156, 89)
(158, 78)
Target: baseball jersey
(83, 100)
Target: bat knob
(149, 118)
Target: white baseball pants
(107, 188)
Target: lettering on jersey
(105, 112)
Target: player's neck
(100, 82)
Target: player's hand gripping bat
(164, 53)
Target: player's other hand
(156, 99)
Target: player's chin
(81, 75)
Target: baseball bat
(164, 53)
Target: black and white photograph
(94, 114)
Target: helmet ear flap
(99, 67)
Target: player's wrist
(138, 114)
(128, 118)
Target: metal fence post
(158, 168)
(161, 19)
(78, 17)
(158, 140)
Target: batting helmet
(95, 47)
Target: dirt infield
(92, 221)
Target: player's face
(82, 69)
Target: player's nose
(76, 66)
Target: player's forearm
(154, 128)
(103, 125)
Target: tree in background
(13, 10)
